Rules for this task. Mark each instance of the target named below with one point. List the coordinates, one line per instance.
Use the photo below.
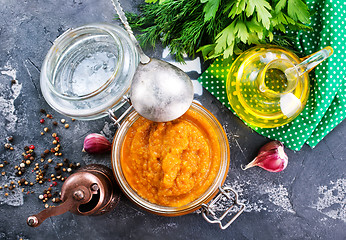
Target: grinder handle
(36, 220)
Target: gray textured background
(306, 201)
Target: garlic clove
(271, 157)
(96, 143)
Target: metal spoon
(160, 91)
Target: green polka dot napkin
(326, 106)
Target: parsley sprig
(217, 27)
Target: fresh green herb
(217, 27)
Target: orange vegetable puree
(172, 163)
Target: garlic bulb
(96, 143)
(271, 157)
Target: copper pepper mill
(92, 190)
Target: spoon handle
(143, 58)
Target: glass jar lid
(89, 70)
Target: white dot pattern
(326, 106)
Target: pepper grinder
(92, 190)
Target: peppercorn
(43, 111)
(67, 126)
(32, 158)
(62, 120)
(10, 188)
(3, 173)
(49, 116)
(7, 145)
(50, 160)
(54, 135)
(42, 121)
(45, 166)
(73, 119)
(10, 139)
(6, 194)
(5, 162)
(1, 165)
(55, 123)
(46, 151)
(46, 129)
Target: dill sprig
(217, 27)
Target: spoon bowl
(160, 91)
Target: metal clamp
(118, 120)
(207, 208)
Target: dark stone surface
(305, 201)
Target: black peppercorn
(43, 111)
(26, 148)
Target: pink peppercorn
(32, 147)
(42, 121)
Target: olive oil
(264, 94)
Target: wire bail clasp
(116, 121)
(207, 208)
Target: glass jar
(89, 70)
(195, 204)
